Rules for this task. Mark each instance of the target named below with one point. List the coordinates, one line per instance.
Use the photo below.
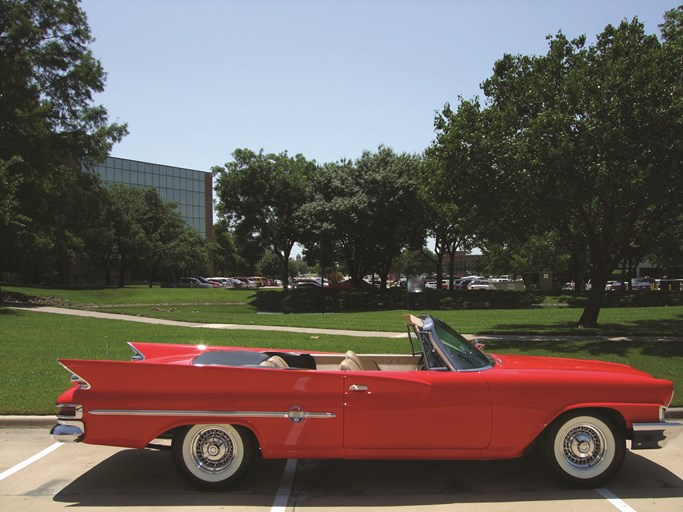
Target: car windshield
(465, 355)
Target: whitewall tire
(212, 457)
(584, 449)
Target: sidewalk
(234, 327)
(308, 330)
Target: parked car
(193, 282)
(223, 282)
(260, 281)
(246, 283)
(614, 286)
(204, 280)
(445, 399)
(645, 283)
(481, 284)
(309, 282)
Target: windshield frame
(458, 353)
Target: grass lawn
(31, 342)
(139, 295)
(654, 321)
(234, 306)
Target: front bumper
(647, 436)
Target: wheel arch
(607, 411)
(244, 426)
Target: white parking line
(612, 498)
(282, 495)
(29, 461)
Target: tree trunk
(285, 275)
(439, 250)
(589, 317)
(284, 259)
(122, 270)
(451, 266)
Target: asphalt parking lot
(98, 478)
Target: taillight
(82, 383)
(69, 411)
(76, 379)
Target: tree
(151, 236)
(11, 219)
(224, 255)
(414, 262)
(259, 195)
(444, 210)
(364, 213)
(99, 237)
(129, 237)
(48, 123)
(170, 245)
(586, 140)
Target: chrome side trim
(214, 414)
(647, 436)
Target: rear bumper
(68, 432)
(647, 436)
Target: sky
(196, 79)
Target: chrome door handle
(358, 387)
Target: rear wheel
(584, 450)
(212, 457)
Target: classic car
(217, 408)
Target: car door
(416, 410)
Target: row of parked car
(465, 283)
(643, 284)
(224, 282)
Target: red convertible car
(223, 406)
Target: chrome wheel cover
(213, 449)
(583, 446)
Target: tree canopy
(584, 141)
(259, 195)
(49, 125)
(365, 212)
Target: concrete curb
(674, 413)
(17, 421)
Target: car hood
(514, 362)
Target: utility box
(545, 280)
(415, 285)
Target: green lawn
(139, 295)
(31, 342)
(655, 321)
(235, 306)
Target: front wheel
(584, 450)
(211, 457)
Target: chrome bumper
(647, 436)
(68, 432)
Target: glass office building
(191, 190)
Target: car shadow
(148, 478)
